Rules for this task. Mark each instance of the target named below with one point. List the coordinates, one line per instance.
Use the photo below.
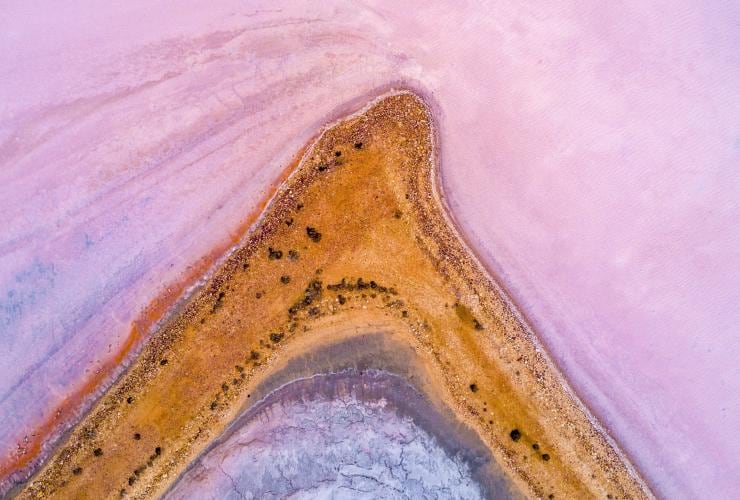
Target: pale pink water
(589, 154)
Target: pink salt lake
(589, 154)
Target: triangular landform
(356, 241)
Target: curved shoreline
(372, 366)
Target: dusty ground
(356, 237)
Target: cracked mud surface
(331, 436)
